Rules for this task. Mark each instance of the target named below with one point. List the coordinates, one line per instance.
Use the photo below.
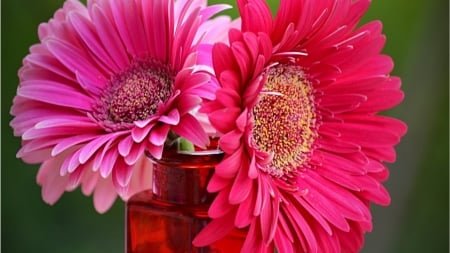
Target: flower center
(284, 119)
(135, 94)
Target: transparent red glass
(167, 218)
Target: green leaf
(185, 145)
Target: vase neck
(182, 178)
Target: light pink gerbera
(304, 146)
(107, 82)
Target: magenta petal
(76, 122)
(89, 149)
(122, 173)
(260, 198)
(74, 161)
(377, 195)
(252, 170)
(109, 37)
(125, 146)
(224, 120)
(130, 27)
(156, 151)
(47, 63)
(172, 118)
(228, 97)
(244, 214)
(267, 217)
(349, 206)
(241, 121)
(190, 129)
(136, 152)
(284, 244)
(253, 242)
(215, 230)
(159, 134)
(87, 33)
(108, 163)
(70, 142)
(241, 188)
(222, 60)
(187, 102)
(139, 134)
(230, 164)
(210, 11)
(217, 183)
(144, 123)
(230, 142)
(38, 144)
(98, 160)
(315, 214)
(54, 93)
(256, 16)
(306, 231)
(220, 205)
(72, 58)
(351, 241)
(229, 79)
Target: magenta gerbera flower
(107, 82)
(304, 144)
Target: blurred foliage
(416, 221)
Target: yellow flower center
(285, 119)
(134, 94)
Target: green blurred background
(416, 221)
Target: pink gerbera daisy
(107, 82)
(304, 144)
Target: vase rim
(201, 152)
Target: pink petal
(172, 118)
(53, 184)
(217, 183)
(75, 60)
(109, 36)
(69, 142)
(140, 133)
(92, 147)
(230, 142)
(187, 102)
(190, 129)
(136, 152)
(104, 195)
(241, 188)
(231, 164)
(89, 181)
(122, 173)
(88, 34)
(125, 145)
(55, 93)
(159, 134)
(224, 120)
(108, 163)
(130, 27)
(220, 206)
(244, 214)
(215, 230)
(156, 151)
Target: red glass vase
(167, 218)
